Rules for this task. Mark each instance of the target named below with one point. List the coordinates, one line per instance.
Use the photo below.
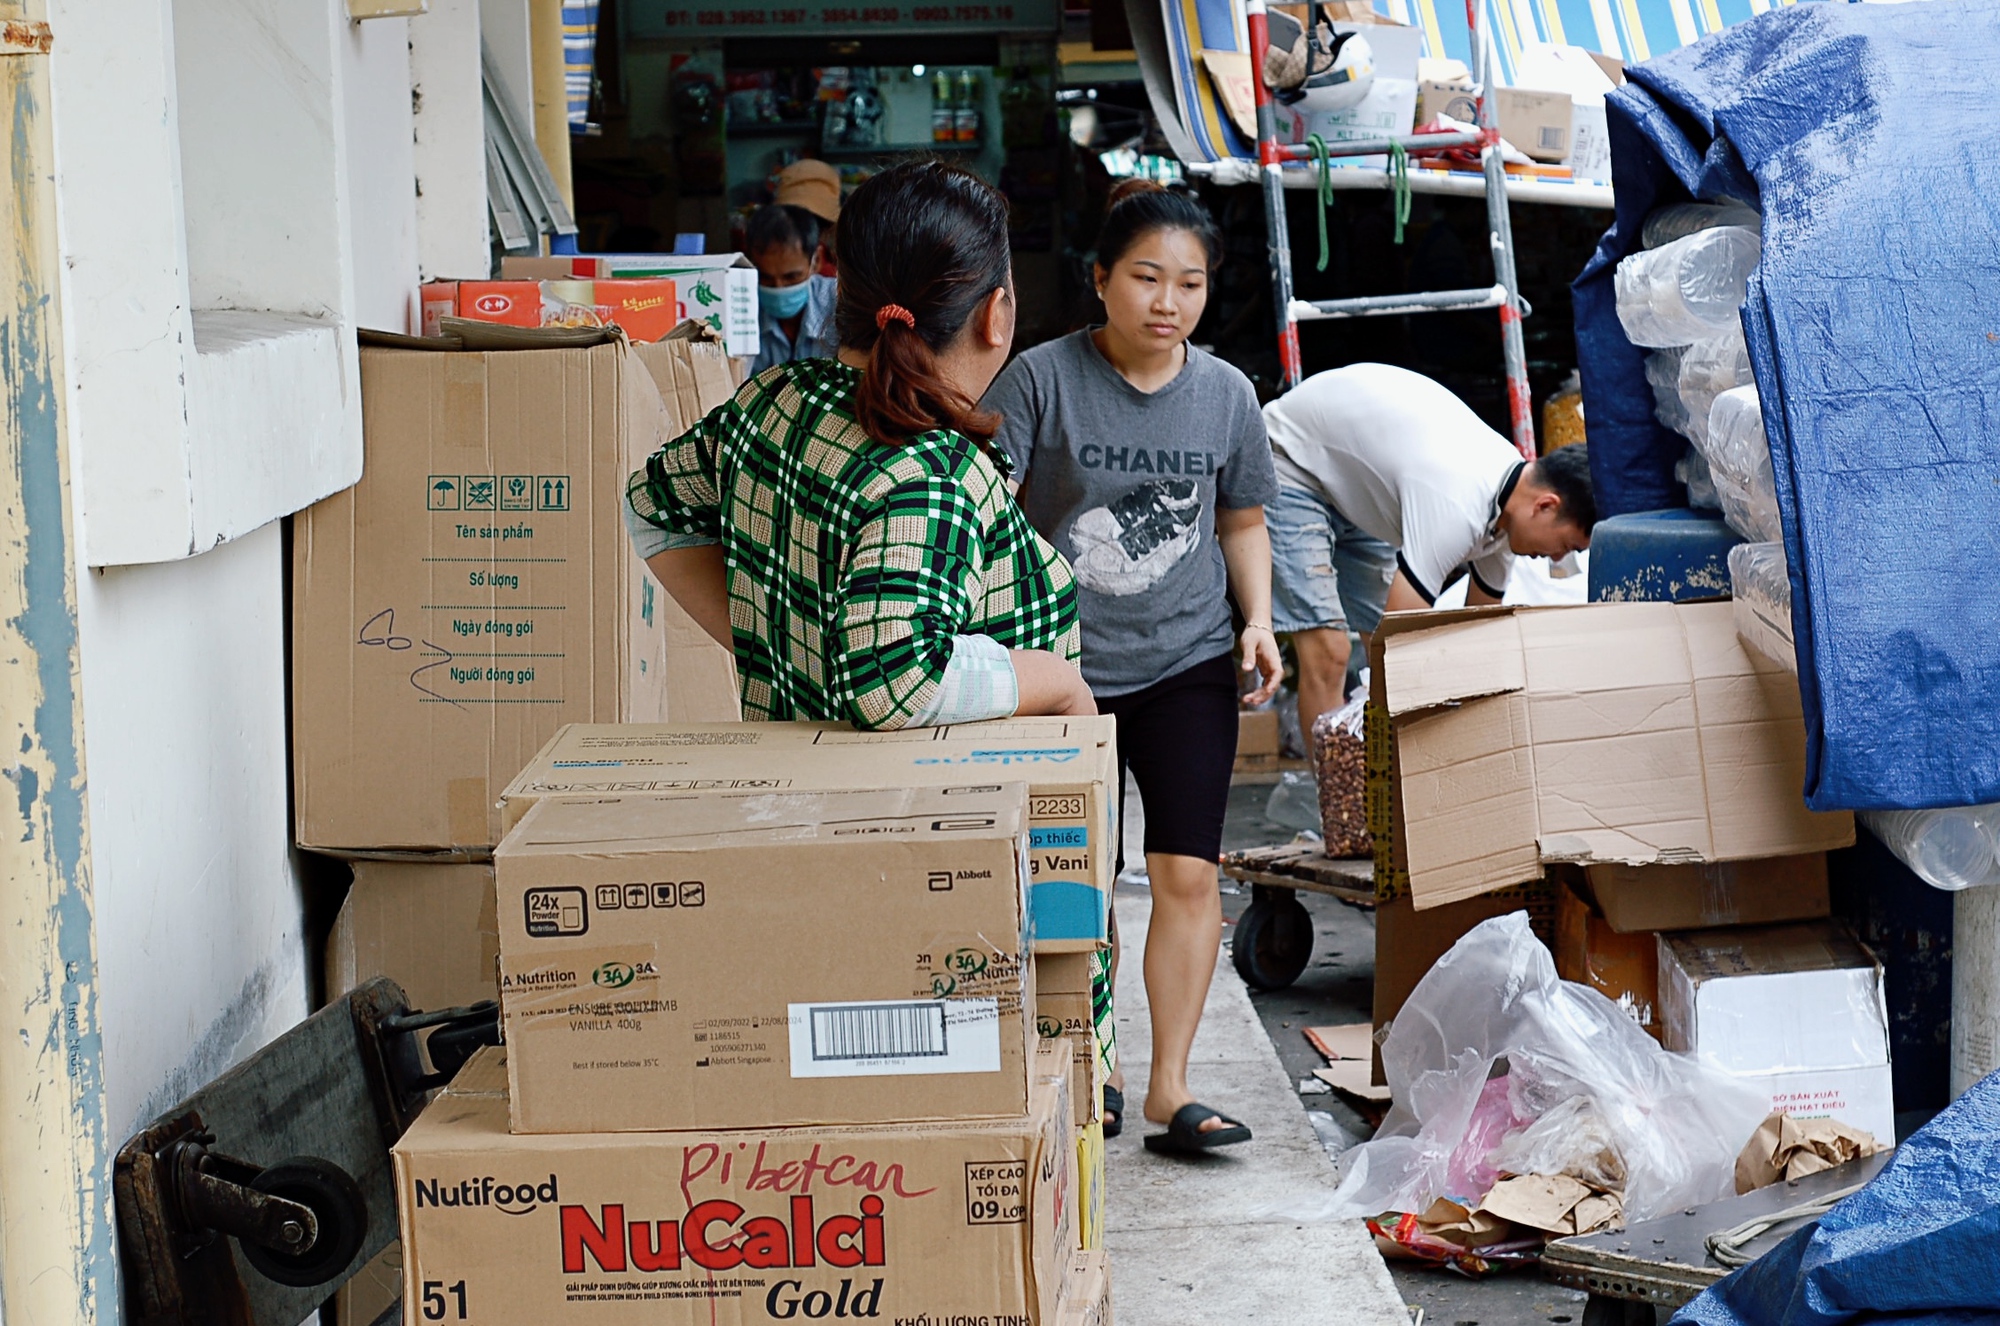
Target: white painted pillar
(1975, 985)
(58, 1259)
(449, 110)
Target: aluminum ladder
(1504, 294)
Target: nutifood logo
(618, 975)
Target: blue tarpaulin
(1866, 136)
(1919, 1244)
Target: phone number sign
(750, 18)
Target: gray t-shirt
(1126, 485)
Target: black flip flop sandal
(1184, 1136)
(1114, 1111)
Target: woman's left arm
(1246, 552)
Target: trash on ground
(1495, 1060)
(1350, 1067)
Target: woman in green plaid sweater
(844, 525)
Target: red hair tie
(894, 313)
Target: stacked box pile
(771, 1052)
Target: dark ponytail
(1137, 207)
(922, 245)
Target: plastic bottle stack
(1689, 290)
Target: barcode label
(1554, 138)
(878, 1031)
(894, 1038)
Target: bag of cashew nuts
(1340, 766)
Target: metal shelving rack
(1504, 294)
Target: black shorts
(1178, 736)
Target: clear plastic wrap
(1663, 375)
(1956, 848)
(1739, 460)
(1686, 291)
(1707, 369)
(1678, 221)
(1760, 583)
(1692, 470)
(1673, 1127)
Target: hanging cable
(1399, 186)
(1325, 167)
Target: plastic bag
(1340, 767)
(1663, 375)
(1674, 1126)
(1679, 220)
(1952, 849)
(1689, 290)
(1692, 470)
(1292, 802)
(1760, 582)
(1739, 460)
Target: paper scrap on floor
(1349, 1052)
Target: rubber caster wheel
(1273, 940)
(335, 1200)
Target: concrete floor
(1203, 1242)
(1335, 1274)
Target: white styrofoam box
(1859, 1097)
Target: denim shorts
(1325, 572)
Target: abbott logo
(555, 911)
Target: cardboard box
(1070, 764)
(1257, 732)
(1063, 1008)
(1064, 973)
(1087, 1292)
(428, 926)
(1068, 1016)
(955, 1220)
(756, 959)
(1634, 899)
(718, 289)
(436, 301)
(1455, 97)
(476, 589)
(1797, 1008)
(1540, 124)
(1624, 968)
(646, 309)
(1638, 733)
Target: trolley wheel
(1273, 940)
(335, 1200)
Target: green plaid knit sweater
(853, 564)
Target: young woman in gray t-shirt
(1145, 461)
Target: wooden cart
(1273, 940)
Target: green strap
(1325, 166)
(1399, 186)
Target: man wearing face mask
(789, 241)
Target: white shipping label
(895, 1037)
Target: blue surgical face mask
(784, 301)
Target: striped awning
(1636, 30)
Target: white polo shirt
(1410, 463)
